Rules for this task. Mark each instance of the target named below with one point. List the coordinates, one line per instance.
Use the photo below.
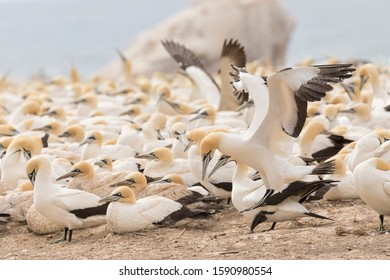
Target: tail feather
(314, 215)
(327, 167)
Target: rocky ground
(351, 235)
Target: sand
(351, 235)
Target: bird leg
(381, 227)
(70, 235)
(65, 236)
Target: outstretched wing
(291, 89)
(183, 56)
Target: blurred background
(49, 36)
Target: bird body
(64, 207)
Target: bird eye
(169, 180)
(118, 194)
(77, 170)
(92, 137)
(153, 154)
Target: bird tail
(327, 167)
(314, 215)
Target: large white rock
(262, 26)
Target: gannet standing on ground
(126, 214)
(258, 204)
(68, 208)
(372, 183)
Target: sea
(50, 36)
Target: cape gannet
(65, 207)
(289, 91)
(372, 183)
(126, 214)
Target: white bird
(71, 209)
(220, 183)
(372, 182)
(178, 132)
(266, 150)
(164, 163)
(21, 149)
(94, 147)
(126, 214)
(258, 204)
(204, 86)
(85, 178)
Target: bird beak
(363, 81)
(198, 116)
(326, 132)
(43, 128)
(14, 132)
(159, 135)
(175, 106)
(123, 183)
(158, 181)
(183, 138)
(65, 134)
(205, 163)
(223, 160)
(350, 111)
(100, 163)
(26, 154)
(67, 175)
(244, 106)
(109, 198)
(87, 141)
(188, 146)
(146, 156)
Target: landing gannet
(68, 208)
(266, 149)
(372, 183)
(126, 214)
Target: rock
(262, 26)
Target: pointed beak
(223, 160)
(348, 111)
(245, 105)
(65, 134)
(67, 175)
(188, 146)
(146, 156)
(205, 163)
(363, 81)
(87, 141)
(183, 138)
(110, 198)
(122, 183)
(27, 154)
(197, 117)
(326, 132)
(159, 135)
(100, 163)
(158, 182)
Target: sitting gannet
(126, 214)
